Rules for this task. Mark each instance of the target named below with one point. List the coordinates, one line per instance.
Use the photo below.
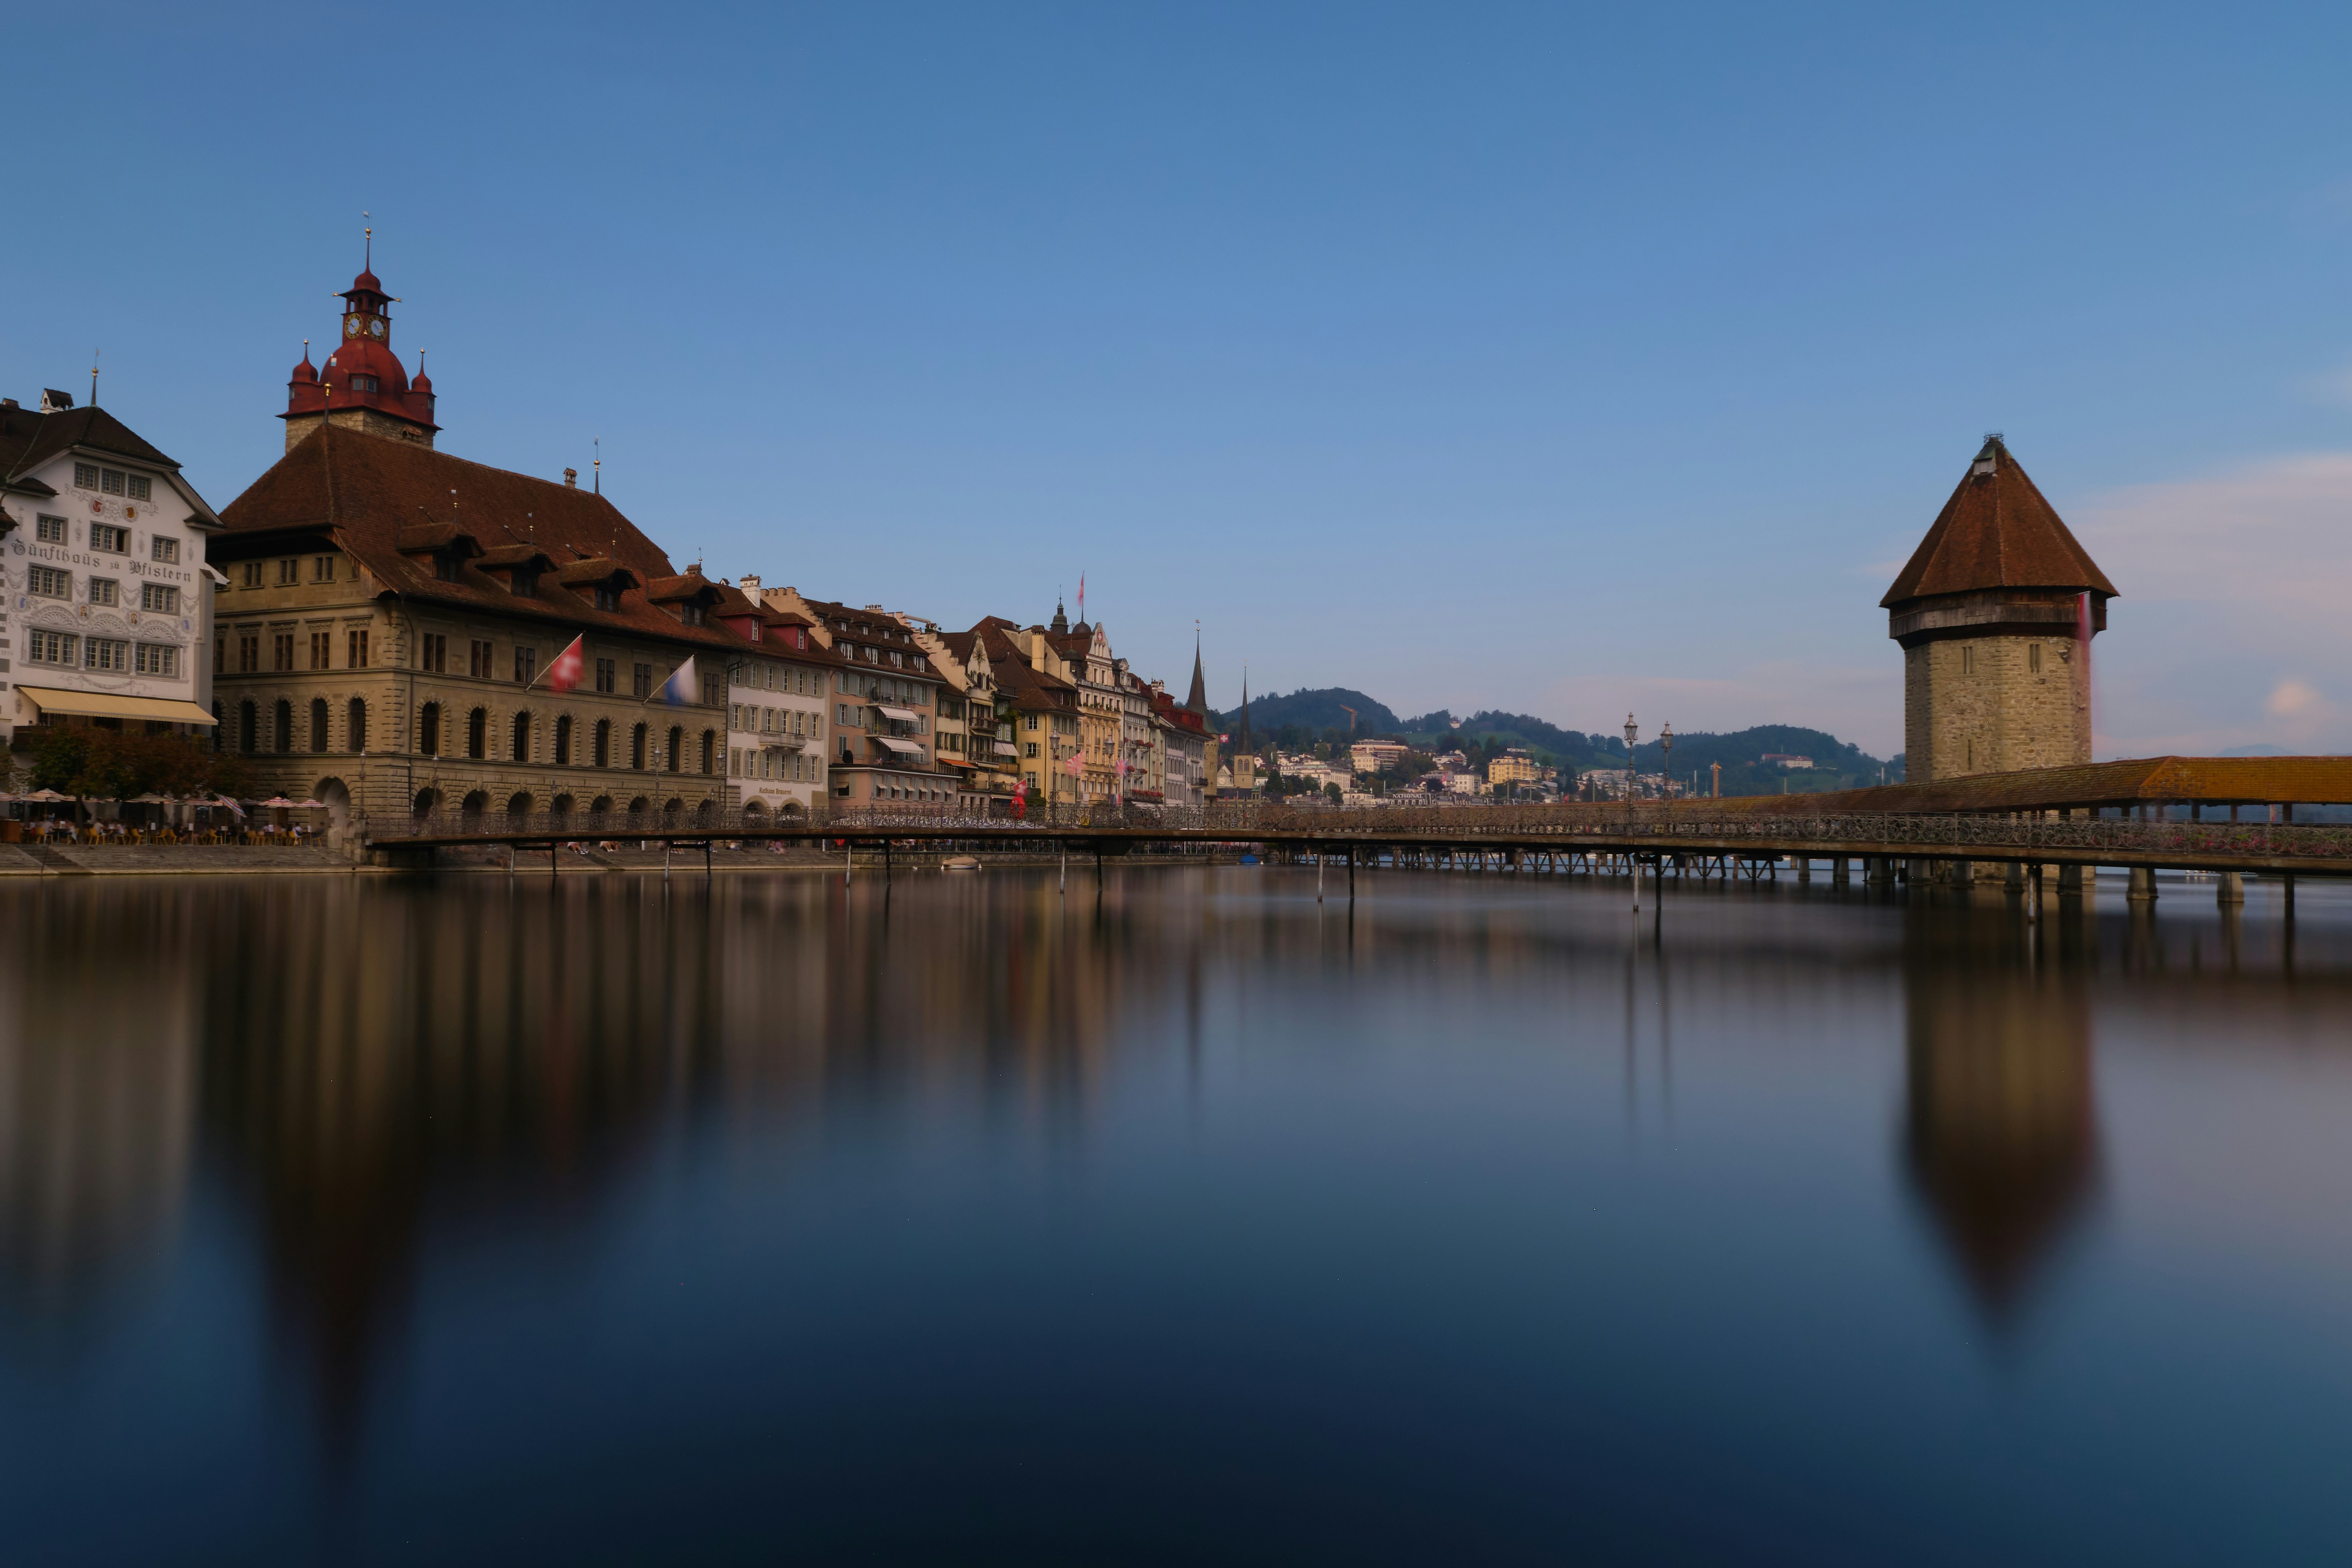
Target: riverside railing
(1647, 828)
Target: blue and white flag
(678, 690)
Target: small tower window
(1967, 658)
(2033, 657)
(366, 383)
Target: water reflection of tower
(2002, 1130)
(97, 1096)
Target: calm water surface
(394, 1221)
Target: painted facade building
(105, 602)
(778, 692)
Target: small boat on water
(1249, 859)
(962, 863)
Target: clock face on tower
(350, 326)
(375, 327)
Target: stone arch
(560, 807)
(476, 803)
(602, 756)
(640, 805)
(355, 727)
(336, 796)
(754, 810)
(711, 750)
(428, 730)
(317, 725)
(478, 734)
(248, 728)
(673, 808)
(706, 811)
(676, 746)
(563, 739)
(637, 747)
(281, 726)
(427, 799)
(601, 806)
(521, 735)
(517, 806)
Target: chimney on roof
(7, 402)
(54, 402)
(751, 584)
(571, 479)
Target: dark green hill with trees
(1297, 722)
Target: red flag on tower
(564, 674)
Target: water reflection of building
(97, 1092)
(2001, 1127)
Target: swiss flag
(564, 673)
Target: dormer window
(690, 613)
(445, 566)
(608, 599)
(366, 383)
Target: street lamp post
(1633, 861)
(1666, 768)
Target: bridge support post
(2074, 879)
(2229, 888)
(1804, 867)
(1964, 873)
(1841, 868)
(1919, 871)
(2143, 885)
(2013, 877)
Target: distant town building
(104, 592)
(1378, 756)
(1513, 766)
(1786, 759)
(1995, 613)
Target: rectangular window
(50, 648)
(167, 550)
(85, 476)
(322, 647)
(106, 652)
(48, 583)
(111, 481)
(478, 659)
(220, 656)
(141, 487)
(288, 573)
(322, 569)
(526, 666)
(105, 593)
(641, 682)
(114, 540)
(49, 531)
(158, 599)
(1967, 660)
(355, 649)
(607, 676)
(154, 658)
(281, 650)
(433, 653)
(2033, 657)
(249, 655)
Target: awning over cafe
(895, 715)
(905, 748)
(106, 705)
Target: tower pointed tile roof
(1997, 532)
(1198, 698)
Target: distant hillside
(1311, 713)
(1305, 717)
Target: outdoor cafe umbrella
(45, 795)
(277, 803)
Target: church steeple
(1061, 622)
(1198, 699)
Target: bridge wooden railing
(1645, 827)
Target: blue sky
(1559, 359)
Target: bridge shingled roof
(2219, 781)
(1997, 532)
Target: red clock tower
(363, 387)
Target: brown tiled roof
(1997, 532)
(29, 438)
(380, 497)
